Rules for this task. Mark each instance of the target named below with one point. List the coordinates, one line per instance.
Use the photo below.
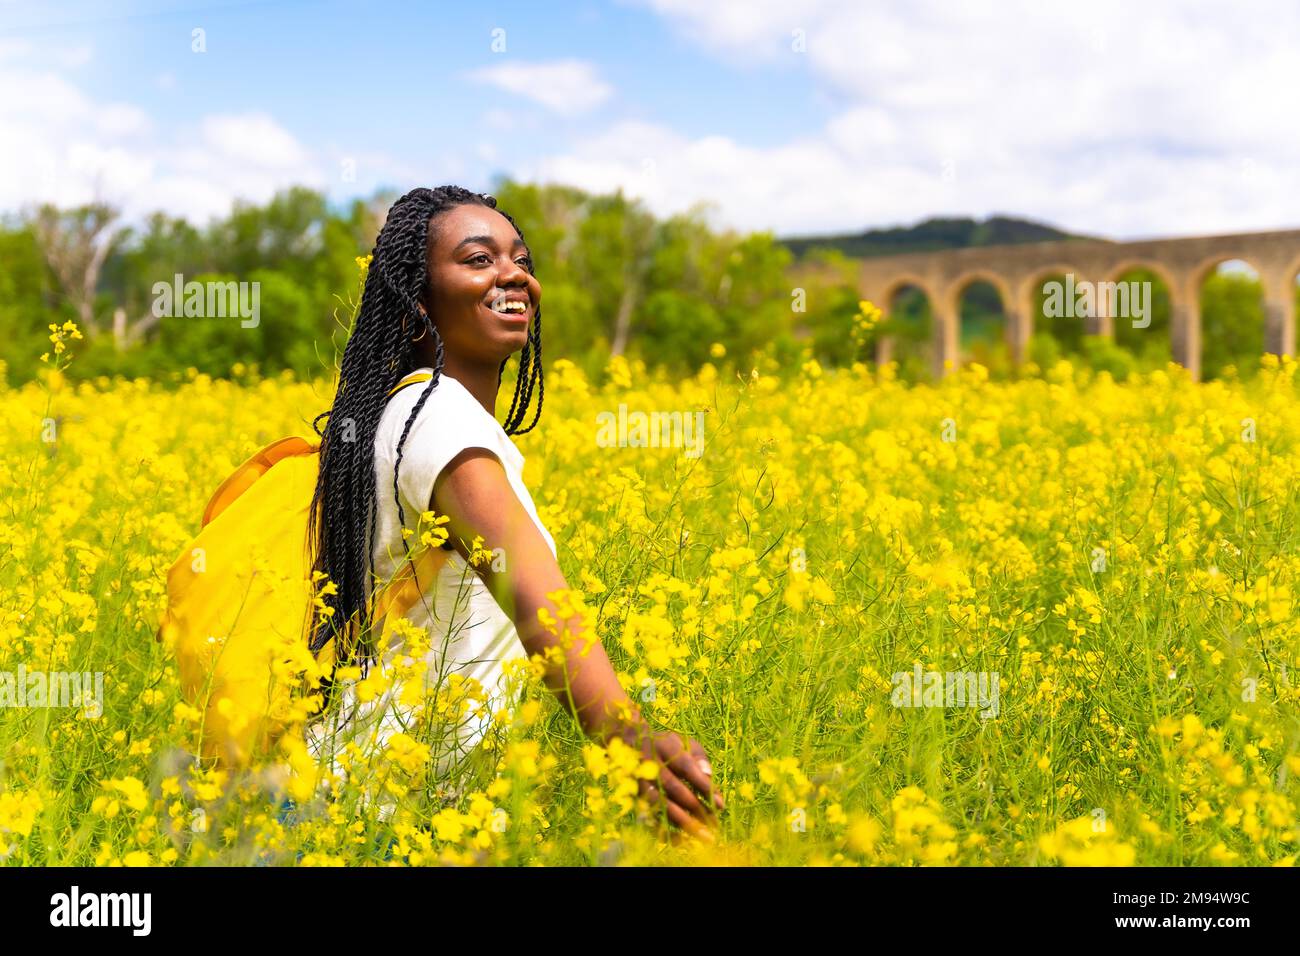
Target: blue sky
(397, 75)
(797, 117)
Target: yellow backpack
(240, 599)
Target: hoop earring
(423, 331)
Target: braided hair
(378, 354)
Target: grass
(1123, 557)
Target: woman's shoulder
(449, 414)
(446, 393)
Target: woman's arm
(475, 494)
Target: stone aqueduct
(1019, 271)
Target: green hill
(931, 236)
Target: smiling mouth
(514, 315)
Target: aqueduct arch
(900, 283)
(1017, 271)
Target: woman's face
(478, 264)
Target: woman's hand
(475, 494)
(684, 788)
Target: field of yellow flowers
(1122, 557)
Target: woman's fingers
(706, 767)
(682, 819)
(686, 763)
(680, 794)
(682, 767)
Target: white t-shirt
(469, 633)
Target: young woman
(451, 292)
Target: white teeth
(512, 306)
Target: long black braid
(378, 354)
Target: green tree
(27, 303)
(1232, 324)
(1152, 345)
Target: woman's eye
(483, 257)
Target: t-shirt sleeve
(445, 427)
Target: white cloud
(746, 31)
(69, 58)
(1090, 115)
(567, 87)
(121, 119)
(61, 146)
(1178, 119)
(64, 146)
(253, 139)
(12, 48)
(753, 188)
(510, 122)
(228, 156)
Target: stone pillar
(884, 350)
(1018, 330)
(947, 341)
(1185, 330)
(1102, 322)
(1021, 322)
(1279, 316)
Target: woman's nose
(515, 272)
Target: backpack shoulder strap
(412, 379)
(242, 478)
